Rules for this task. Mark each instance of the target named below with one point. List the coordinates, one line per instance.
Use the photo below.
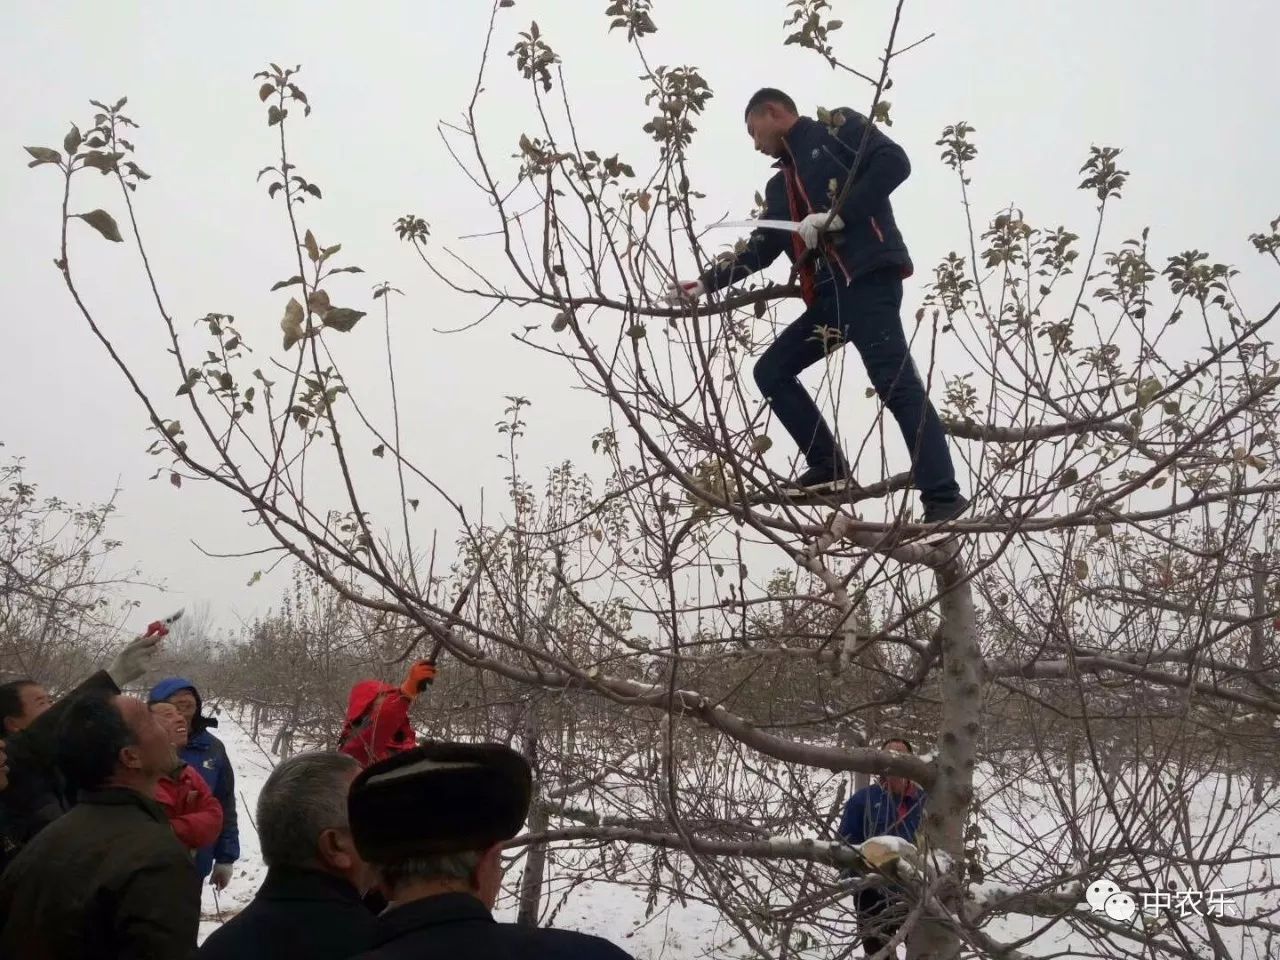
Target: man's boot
(940, 511)
(826, 475)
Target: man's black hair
(768, 95)
(91, 735)
(906, 743)
(11, 697)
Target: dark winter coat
(456, 926)
(811, 174)
(297, 913)
(206, 754)
(36, 795)
(9, 845)
(106, 880)
(875, 812)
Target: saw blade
(791, 225)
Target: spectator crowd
(114, 811)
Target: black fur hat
(439, 798)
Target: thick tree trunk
(1258, 640)
(1258, 629)
(956, 753)
(535, 860)
(535, 865)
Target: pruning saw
(789, 225)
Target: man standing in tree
(851, 260)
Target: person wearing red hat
(377, 724)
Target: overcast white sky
(1187, 89)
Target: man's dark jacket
(108, 879)
(9, 844)
(875, 811)
(812, 172)
(36, 795)
(456, 926)
(297, 913)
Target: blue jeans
(867, 314)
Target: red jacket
(194, 812)
(377, 722)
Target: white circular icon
(1098, 892)
(1121, 906)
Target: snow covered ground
(617, 910)
(252, 766)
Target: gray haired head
(304, 796)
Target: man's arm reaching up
(763, 247)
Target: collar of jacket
(430, 912)
(297, 883)
(201, 723)
(124, 797)
(800, 129)
(200, 740)
(799, 132)
(176, 772)
(913, 798)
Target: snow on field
(252, 766)
(617, 910)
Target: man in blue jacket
(206, 754)
(851, 265)
(891, 808)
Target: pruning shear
(161, 627)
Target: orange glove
(420, 674)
